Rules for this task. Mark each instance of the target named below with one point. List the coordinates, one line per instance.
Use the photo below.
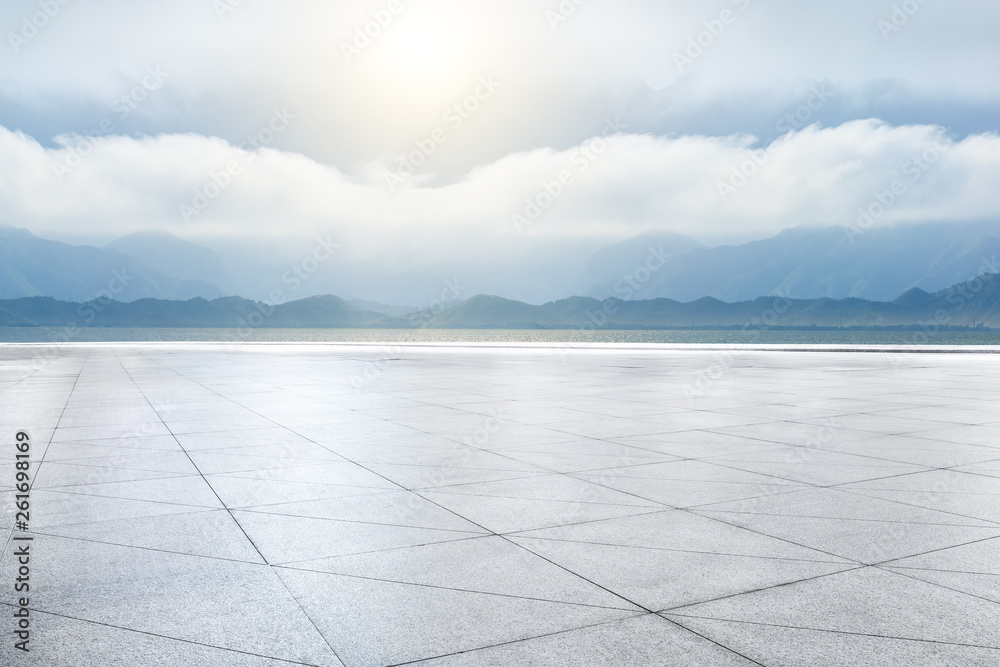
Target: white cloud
(631, 183)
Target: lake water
(774, 337)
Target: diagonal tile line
(567, 631)
(983, 495)
(957, 468)
(64, 462)
(61, 488)
(742, 528)
(235, 521)
(770, 494)
(574, 573)
(924, 553)
(501, 454)
(649, 504)
(837, 632)
(911, 568)
(384, 550)
(932, 509)
(162, 636)
(450, 588)
(924, 472)
(938, 584)
(427, 489)
(490, 532)
(62, 492)
(561, 566)
(702, 508)
(757, 532)
(422, 496)
(144, 548)
(714, 641)
(36, 371)
(849, 568)
(85, 441)
(418, 464)
(683, 551)
(523, 423)
(318, 444)
(38, 467)
(732, 466)
(624, 466)
(256, 509)
(263, 507)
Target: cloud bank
(611, 186)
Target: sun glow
(422, 51)
(408, 71)
(422, 45)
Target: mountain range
(972, 303)
(805, 263)
(808, 263)
(133, 267)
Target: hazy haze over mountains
(805, 263)
(173, 256)
(879, 264)
(31, 266)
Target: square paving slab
(335, 505)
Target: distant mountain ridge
(972, 303)
(810, 263)
(172, 256)
(32, 266)
(224, 312)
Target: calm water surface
(141, 334)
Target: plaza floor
(199, 504)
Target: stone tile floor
(327, 505)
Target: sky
(430, 137)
